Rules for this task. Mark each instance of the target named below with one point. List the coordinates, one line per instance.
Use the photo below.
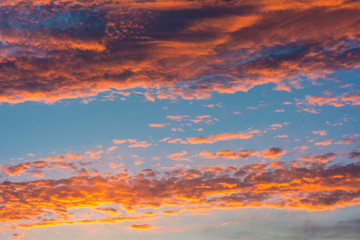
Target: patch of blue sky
(70, 126)
(81, 21)
(274, 51)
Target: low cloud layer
(49, 202)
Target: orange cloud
(17, 169)
(336, 101)
(142, 226)
(119, 141)
(243, 154)
(141, 144)
(110, 149)
(177, 117)
(272, 153)
(115, 165)
(320, 132)
(347, 141)
(320, 158)
(179, 156)
(138, 162)
(276, 125)
(57, 158)
(157, 125)
(190, 60)
(96, 154)
(301, 148)
(324, 143)
(218, 137)
(313, 186)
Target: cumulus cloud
(49, 202)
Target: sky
(179, 120)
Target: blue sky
(179, 120)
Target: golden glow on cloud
(274, 185)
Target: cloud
(17, 169)
(282, 136)
(354, 154)
(137, 163)
(336, 101)
(243, 154)
(96, 154)
(320, 158)
(115, 165)
(36, 168)
(56, 158)
(312, 187)
(17, 236)
(134, 143)
(217, 137)
(110, 149)
(174, 49)
(320, 132)
(158, 125)
(141, 144)
(119, 141)
(347, 141)
(324, 143)
(301, 148)
(177, 117)
(272, 153)
(142, 226)
(179, 156)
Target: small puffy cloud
(324, 143)
(179, 156)
(282, 136)
(301, 148)
(177, 130)
(177, 117)
(110, 149)
(276, 126)
(119, 141)
(141, 144)
(272, 153)
(115, 165)
(96, 154)
(139, 162)
(320, 132)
